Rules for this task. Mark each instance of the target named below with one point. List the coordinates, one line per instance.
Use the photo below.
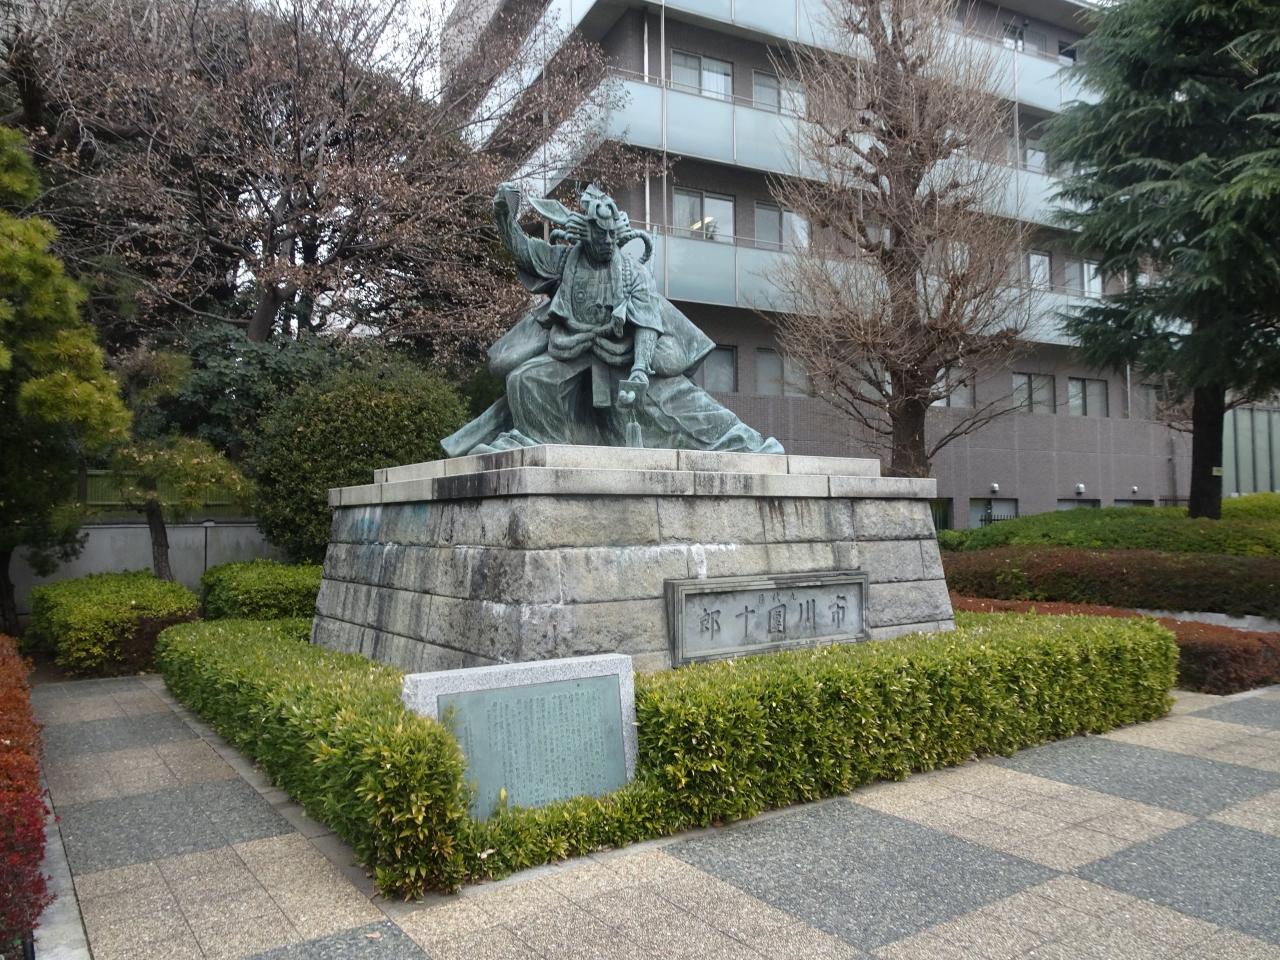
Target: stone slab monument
(607, 504)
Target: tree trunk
(8, 602)
(159, 540)
(909, 457)
(1208, 408)
(264, 317)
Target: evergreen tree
(57, 401)
(1161, 168)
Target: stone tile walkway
(1155, 841)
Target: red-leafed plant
(24, 892)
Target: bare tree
(910, 281)
(289, 164)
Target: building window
(770, 92)
(1086, 398)
(1066, 52)
(704, 75)
(1135, 503)
(769, 373)
(1040, 269)
(1082, 277)
(1079, 503)
(960, 391)
(777, 228)
(795, 379)
(988, 510)
(940, 507)
(708, 216)
(718, 373)
(1020, 37)
(1144, 402)
(1034, 157)
(1033, 392)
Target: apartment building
(701, 89)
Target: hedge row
(106, 623)
(1121, 578)
(23, 889)
(1250, 526)
(717, 742)
(1211, 658)
(260, 590)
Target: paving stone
(1174, 781)
(1252, 711)
(56, 711)
(1230, 945)
(135, 877)
(159, 935)
(446, 922)
(119, 733)
(152, 826)
(495, 943)
(866, 877)
(374, 941)
(1261, 814)
(657, 925)
(556, 931)
(1211, 871)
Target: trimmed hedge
(1120, 578)
(106, 623)
(1250, 526)
(1211, 658)
(717, 742)
(260, 590)
(24, 892)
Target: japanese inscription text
(738, 615)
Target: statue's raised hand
(507, 199)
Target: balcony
(736, 273)
(1024, 77)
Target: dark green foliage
(718, 742)
(260, 590)
(1155, 183)
(1141, 579)
(1250, 526)
(336, 434)
(106, 623)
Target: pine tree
(57, 400)
(1160, 165)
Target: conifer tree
(1171, 167)
(58, 403)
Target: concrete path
(1156, 841)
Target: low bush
(106, 623)
(1211, 658)
(1120, 578)
(260, 590)
(1250, 526)
(24, 892)
(717, 742)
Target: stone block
(715, 461)
(707, 484)
(789, 520)
(903, 629)
(361, 495)
(833, 466)
(541, 522)
(709, 520)
(748, 560)
(883, 487)
(888, 561)
(892, 520)
(601, 458)
(920, 601)
(627, 625)
(592, 574)
(566, 481)
(930, 560)
(408, 491)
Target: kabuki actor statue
(605, 360)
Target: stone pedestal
(559, 551)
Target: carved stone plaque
(719, 617)
(541, 731)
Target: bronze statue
(605, 360)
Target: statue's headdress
(601, 208)
(597, 207)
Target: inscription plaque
(541, 731)
(718, 617)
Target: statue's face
(601, 243)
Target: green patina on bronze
(605, 359)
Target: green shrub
(1250, 526)
(260, 590)
(336, 433)
(1141, 579)
(106, 623)
(717, 741)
